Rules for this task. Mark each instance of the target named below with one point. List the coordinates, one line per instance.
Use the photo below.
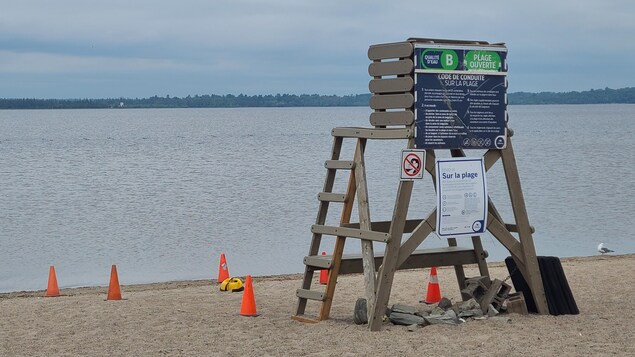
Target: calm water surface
(161, 193)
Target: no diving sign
(412, 164)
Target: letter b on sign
(449, 60)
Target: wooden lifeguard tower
(404, 73)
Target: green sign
(482, 61)
(447, 60)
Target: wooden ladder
(314, 262)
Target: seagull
(603, 249)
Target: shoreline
(178, 284)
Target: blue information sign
(460, 97)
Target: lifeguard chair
(418, 96)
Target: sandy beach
(195, 318)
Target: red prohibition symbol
(412, 165)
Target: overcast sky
(141, 48)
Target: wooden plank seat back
(391, 88)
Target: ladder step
(339, 164)
(310, 294)
(332, 197)
(351, 232)
(301, 318)
(318, 261)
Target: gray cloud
(111, 48)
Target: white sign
(461, 196)
(412, 164)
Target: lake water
(163, 192)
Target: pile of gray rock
(482, 299)
(443, 313)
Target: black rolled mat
(559, 297)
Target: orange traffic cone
(324, 274)
(434, 293)
(114, 291)
(223, 271)
(52, 290)
(248, 306)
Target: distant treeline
(593, 96)
(197, 101)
